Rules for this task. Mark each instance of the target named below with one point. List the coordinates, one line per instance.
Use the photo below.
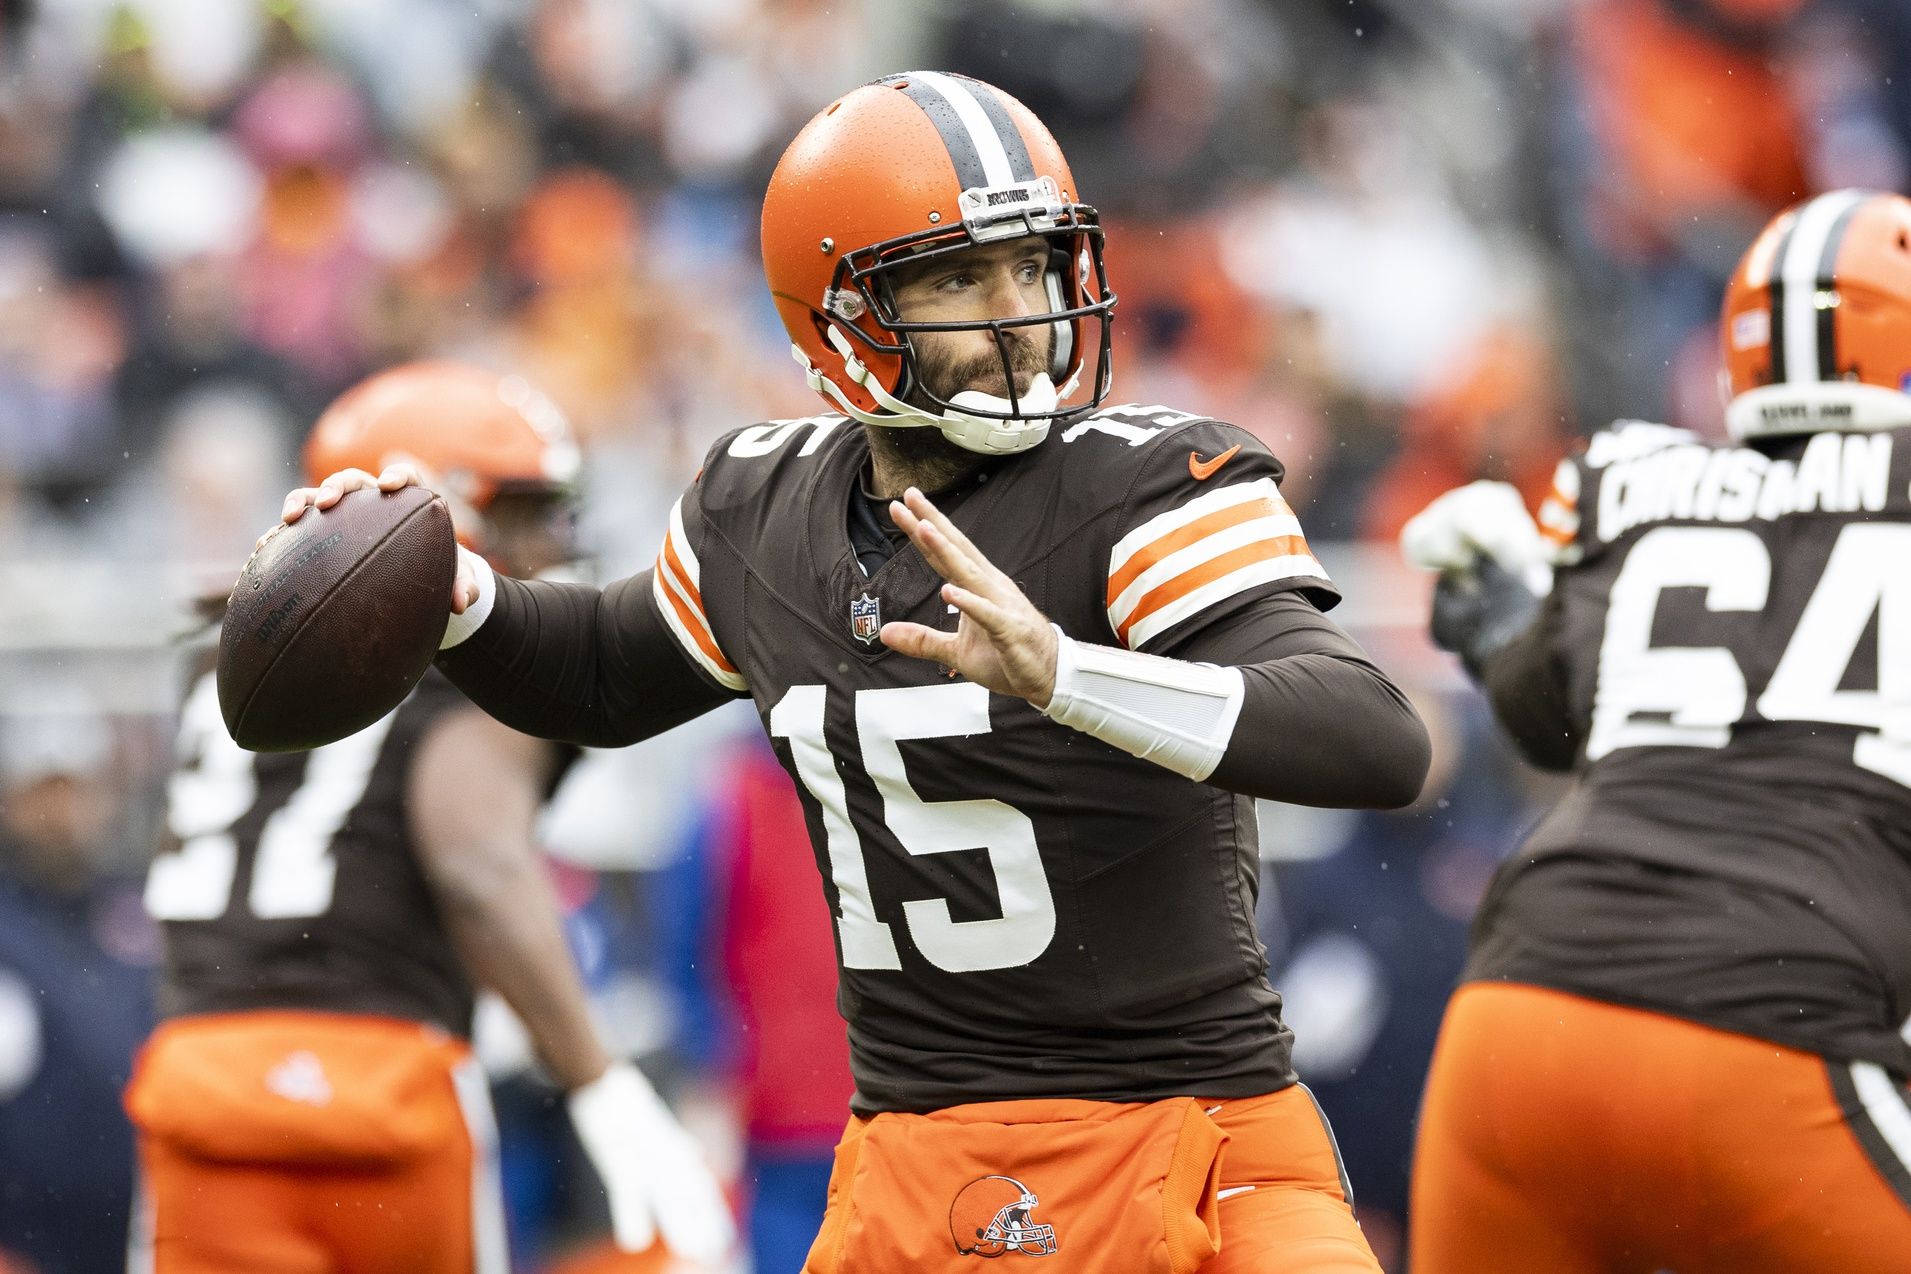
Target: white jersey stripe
(1885, 1102)
(664, 588)
(1295, 564)
(1193, 511)
(1799, 274)
(1202, 551)
(995, 159)
(679, 539)
(668, 586)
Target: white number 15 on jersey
(885, 718)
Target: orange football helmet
(920, 164)
(1816, 326)
(476, 434)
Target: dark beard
(916, 457)
(946, 377)
(920, 456)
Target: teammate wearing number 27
(311, 1103)
(1685, 1034)
(1027, 717)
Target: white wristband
(1177, 714)
(459, 627)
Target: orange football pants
(309, 1143)
(1571, 1136)
(1283, 1201)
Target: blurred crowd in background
(1408, 242)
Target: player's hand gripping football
(655, 1176)
(464, 588)
(1001, 641)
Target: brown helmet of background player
(493, 446)
(1816, 327)
(907, 168)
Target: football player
(311, 1103)
(1685, 1029)
(1028, 717)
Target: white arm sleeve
(459, 627)
(1179, 715)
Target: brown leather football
(335, 619)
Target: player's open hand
(1001, 641)
(464, 589)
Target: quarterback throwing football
(1028, 716)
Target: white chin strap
(986, 435)
(1772, 411)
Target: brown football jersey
(291, 881)
(1021, 910)
(1730, 635)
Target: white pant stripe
(487, 1188)
(1886, 1103)
(139, 1231)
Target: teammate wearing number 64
(1028, 657)
(1685, 1031)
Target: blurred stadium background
(1408, 242)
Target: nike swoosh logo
(1205, 469)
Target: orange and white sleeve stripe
(678, 583)
(1181, 562)
(1559, 511)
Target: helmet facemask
(530, 530)
(860, 320)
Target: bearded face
(948, 367)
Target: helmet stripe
(1775, 297)
(980, 154)
(1828, 282)
(1021, 167)
(1802, 263)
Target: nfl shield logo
(865, 617)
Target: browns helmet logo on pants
(993, 1216)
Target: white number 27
(293, 870)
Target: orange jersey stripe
(1206, 573)
(676, 568)
(1154, 551)
(693, 623)
(1557, 535)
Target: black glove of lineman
(1478, 612)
